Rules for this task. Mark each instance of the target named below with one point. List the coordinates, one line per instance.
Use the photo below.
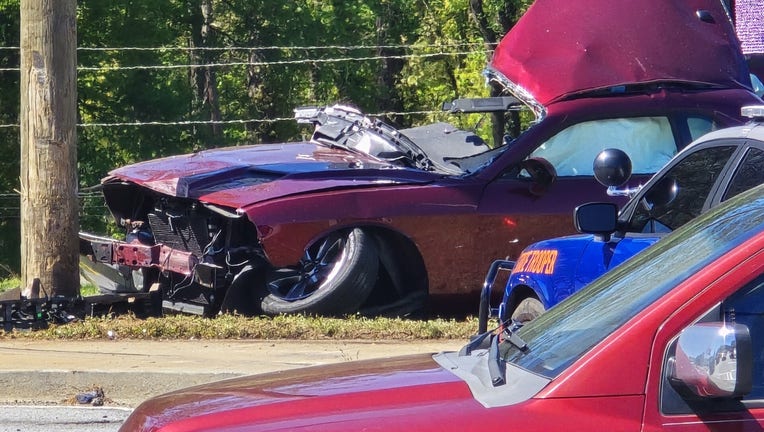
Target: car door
(736, 297)
(517, 213)
(702, 178)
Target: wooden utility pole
(49, 207)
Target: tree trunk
(49, 207)
(204, 78)
(507, 19)
(499, 123)
(389, 99)
(210, 86)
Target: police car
(712, 169)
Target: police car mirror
(600, 219)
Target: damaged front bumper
(116, 266)
(164, 258)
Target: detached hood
(373, 394)
(563, 47)
(238, 176)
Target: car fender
(548, 268)
(286, 226)
(599, 257)
(555, 269)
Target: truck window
(747, 307)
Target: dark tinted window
(693, 179)
(750, 173)
(747, 307)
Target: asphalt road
(61, 419)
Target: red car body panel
(406, 393)
(549, 38)
(211, 176)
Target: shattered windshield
(566, 332)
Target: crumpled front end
(191, 233)
(191, 249)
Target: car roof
(689, 41)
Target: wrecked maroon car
(367, 218)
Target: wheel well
(519, 293)
(402, 276)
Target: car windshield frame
(569, 330)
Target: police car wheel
(528, 309)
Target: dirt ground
(129, 371)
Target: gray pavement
(130, 371)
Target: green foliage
(13, 281)
(294, 327)
(9, 283)
(9, 136)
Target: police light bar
(753, 112)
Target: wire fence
(479, 49)
(91, 205)
(277, 47)
(110, 68)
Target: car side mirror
(712, 360)
(541, 172)
(600, 219)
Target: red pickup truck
(673, 340)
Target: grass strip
(296, 327)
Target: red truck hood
(563, 47)
(238, 176)
(368, 393)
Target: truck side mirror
(600, 219)
(712, 360)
